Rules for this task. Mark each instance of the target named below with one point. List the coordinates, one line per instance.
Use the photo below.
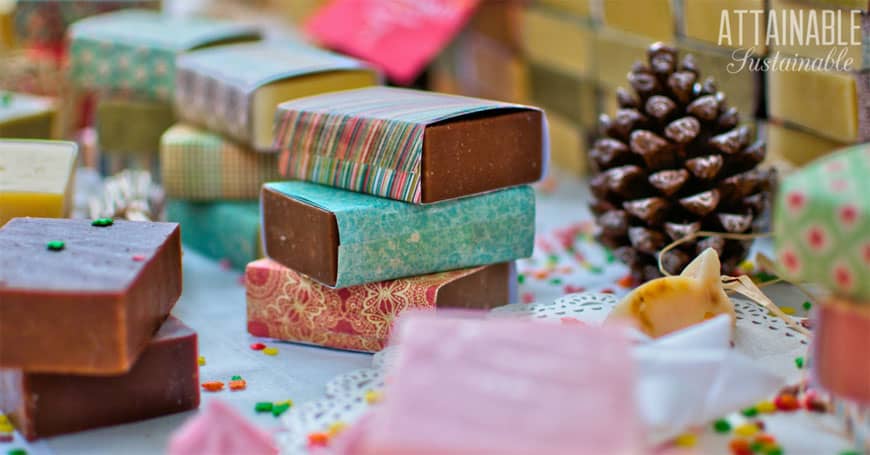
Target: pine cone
(672, 161)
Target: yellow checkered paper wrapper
(200, 165)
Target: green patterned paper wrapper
(132, 127)
(382, 239)
(222, 230)
(371, 139)
(134, 51)
(822, 223)
(201, 165)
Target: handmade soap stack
(404, 199)
(128, 58)
(799, 129)
(214, 162)
(86, 339)
(822, 222)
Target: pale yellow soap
(742, 28)
(665, 305)
(823, 102)
(796, 147)
(650, 18)
(793, 35)
(617, 51)
(36, 178)
(567, 145)
(558, 40)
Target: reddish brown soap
(91, 307)
(164, 380)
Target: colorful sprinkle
(318, 439)
(55, 245)
(850, 452)
(686, 440)
(747, 266)
(6, 427)
(773, 450)
(102, 222)
(750, 411)
(568, 320)
(225, 264)
(739, 447)
(213, 386)
(336, 428)
(571, 289)
(556, 281)
(270, 351)
(279, 408)
(201, 361)
(528, 297)
(258, 346)
(746, 430)
(4, 419)
(236, 378)
(373, 396)
(786, 402)
(6, 98)
(521, 278)
(788, 310)
(263, 406)
(808, 305)
(625, 282)
(765, 439)
(766, 407)
(721, 426)
(138, 257)
(287, 402)
(799, 362)
(238, 384)
(17, 452)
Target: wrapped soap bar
(44, 23)
(793, 95)
(342, 238)
(558, 41)
(83, 298)
(410, 145)
(221, 230)
(235, 89)
(36, 178)
(795, 146)
(134, 51)
(25, 116)
(287, 305)
(702, 21)
(821, 223)
(130, 126)
(164, 380)
(653, 19)
(840, 345)
(200, 165)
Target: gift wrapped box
(287, 305)
(822, 221)
(45, 22)
(410, 145)
(220, 230)
(131, 127)
(134, 51)
(235, 89)
(342, 238)
(26, 117)
(199, 165)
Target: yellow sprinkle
(766, 407)
(270, 351)
(746, 430)
(336, 428)
(787, 310)
(6, 428)
(373, 396)
(747, 265)
(4, 420)
(201, 360)
(287, 402)
(686, 440)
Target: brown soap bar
(164, 380)
(90, 307)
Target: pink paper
(479, 386)
(220, 430)
(400, 36)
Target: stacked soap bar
(214, 162)
(797, 147)
(128, 57)
(26, 116)
(115, 281)
(425, 205)
(821, 236)
(36, 178)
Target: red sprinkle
(225, 264)
(765, 438)
(626, 281)
(238, 384)
(138, 257)
(786, 402)
(607, 291)
(568, 320)
(318, 439)
(258, 346)
(528, 297)
(740, 447)
(241, 280)
(570, 289)
(213, 386)
(6, 437)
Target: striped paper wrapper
(199, 165)
(367, 140)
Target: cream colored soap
(567, 145)
(823, 102)
(617, 51)
(702, 20)
(796, 147)
(36, 178)
(668, 304)
(558, 40)
(650, 18)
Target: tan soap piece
(741, 87)
(558, 40)
(567, 145)
(36, 178)
(579, 8)
(824, 102)
(796, 147)
(802, 10)
(701, 21)
(650, 18)
(668, 304)
(616, 52)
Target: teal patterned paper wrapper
(822, 223)
(134, 51)
(371, 140)
(221, 230)
(382, 239)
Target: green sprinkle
(750, 412)
(775, 450)
(808, 305)
(610, 257)
(765, 277)
(55, 245)
(102, 222)
(6, 98)
(553, 258)
(850, 452)
(236, 378)
(556, 281)
(799, 362)
(263, 406)
(17, 452)
(756, 446)
(279, 409)
(596, 270)
(521, 278)
(721, 426)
